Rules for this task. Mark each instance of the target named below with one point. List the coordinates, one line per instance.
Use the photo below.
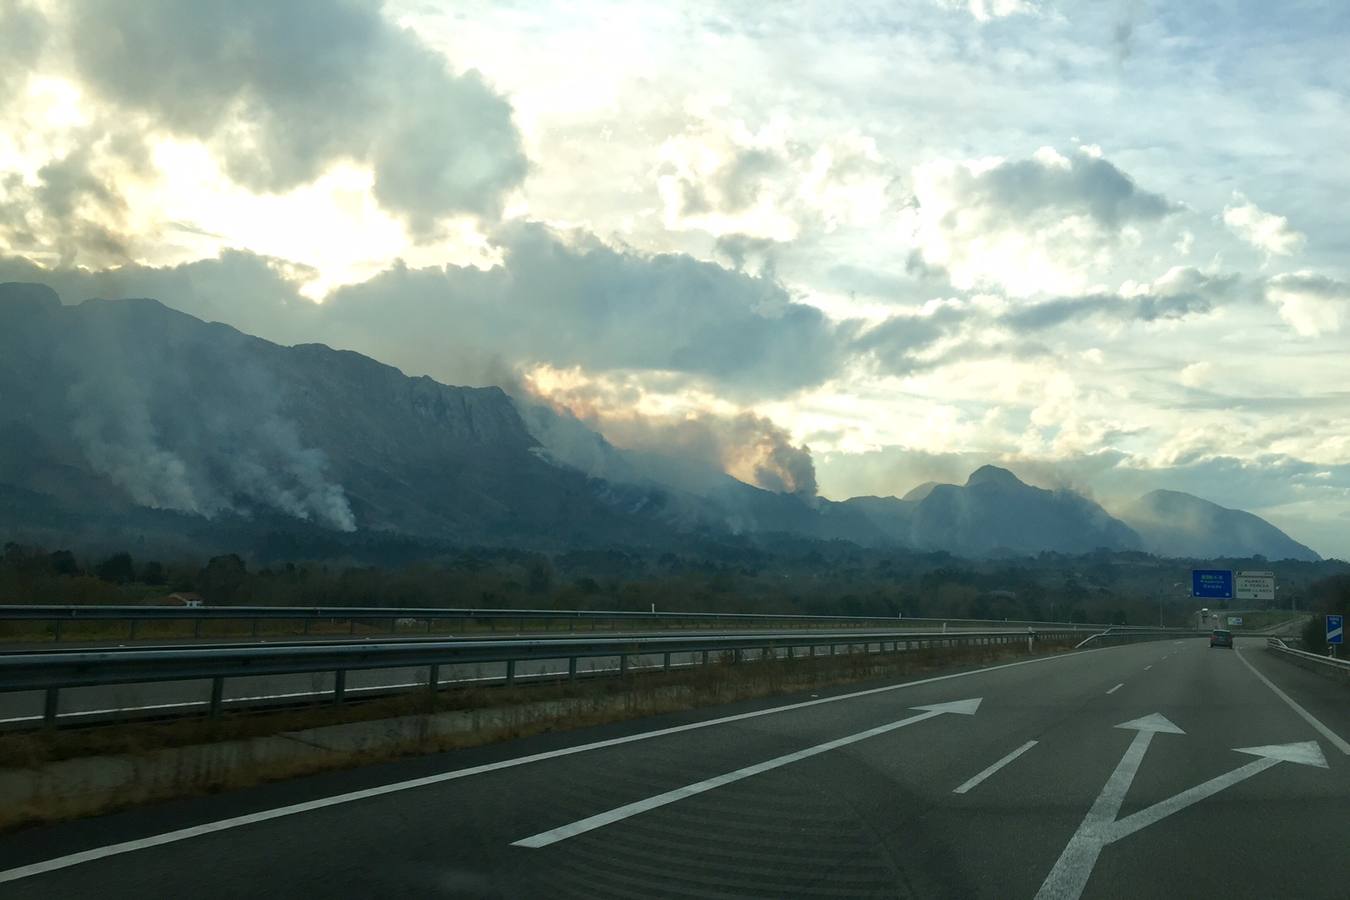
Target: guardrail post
(217, 694)
(56, 631)
(434, 677)
(571, 668)
(510, 671)
(666, 663)
(339, 685)
(705, 657)
(254, 626)
(623, 664)
(49, 706)
(196, 627)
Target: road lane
(874, 817)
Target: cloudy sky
(1102, 243)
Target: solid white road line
(628, 810)
(1116, 688)
(1326, 732)
(994, 768)
(74, 859)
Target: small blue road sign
(1335, 629)
(1212, 584)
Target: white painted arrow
(1071, 872)
(1304, 753)
(562, 833)
(1074, 866)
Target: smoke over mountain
(179, 417)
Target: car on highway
(1220, 637)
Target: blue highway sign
(1212, 584)
(1335, 629)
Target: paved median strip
(619, 813)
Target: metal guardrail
(54, 671)
(567, 619)
(1329, 665)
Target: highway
(1164, 769)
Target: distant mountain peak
(993, 475)
(29, 294)
(1175, 523)
(918, 493)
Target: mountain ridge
(114, 407)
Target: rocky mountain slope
(1173, 523)
(129, 418)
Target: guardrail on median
(52, 672)
(426, 618)
(1327, 665)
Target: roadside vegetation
(784, 577)
(1331, 595)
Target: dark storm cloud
(893, 345)
(1309, 283)
(70, 208)
(567, 304)
(605, 309)
(1083, 185)
(743, 249)
(238, 288)
(283, 90)
(1181, 293)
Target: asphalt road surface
(1166, 769)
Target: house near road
(183, 598)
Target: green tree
(540, 575)
(63, 563)
(222, 578)
(117, 568)
(153, 572)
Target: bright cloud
(1265, 231)
(1037, 225)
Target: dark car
(1220, 638)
